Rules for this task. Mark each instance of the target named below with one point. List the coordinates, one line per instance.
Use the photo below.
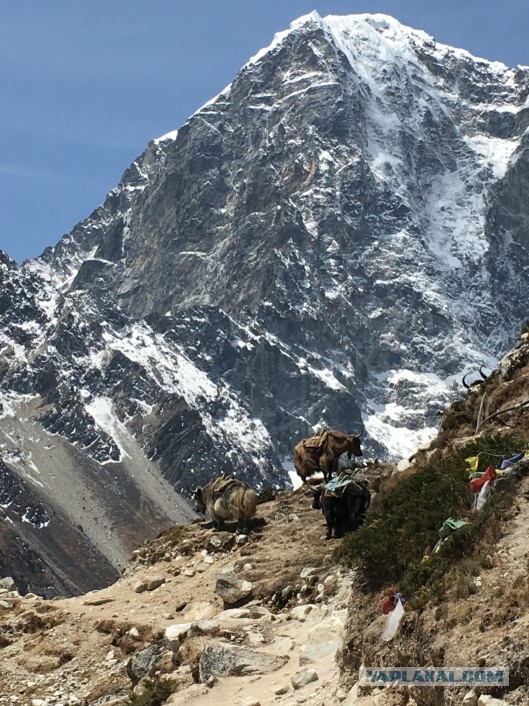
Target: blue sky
(85, 84)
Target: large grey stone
(8, 583)
(304, 677)
(231, 589)
(145, 662)
(225, 659)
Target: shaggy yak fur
(322, 453)
(344, 512)
(225, 498)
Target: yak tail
(249, 503)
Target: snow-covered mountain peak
(347, 100)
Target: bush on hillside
(403, 527)
(427, 580)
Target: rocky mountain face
(334, 239)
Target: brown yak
(322, 453)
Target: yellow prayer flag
(473, 462)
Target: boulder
(470, 698)
(304, 677)
(301, 612)
(154, 582)
(225, 659)
(175, 635)
(486, 700)
(8, 583)
(145, 662)
(202, 610)
(231, 589)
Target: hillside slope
(471, 609)
(305, 619)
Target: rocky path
(251, 620)
(229, 619)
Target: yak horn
(192, 490)
(465, 384)
(362, 430)
(485, 377)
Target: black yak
(344, 509)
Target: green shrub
(403, 527)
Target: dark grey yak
(226, 498)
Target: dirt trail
(75, 651)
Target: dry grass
(513, 604)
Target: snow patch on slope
(399, 441)
(175, 373)
(102, 412)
